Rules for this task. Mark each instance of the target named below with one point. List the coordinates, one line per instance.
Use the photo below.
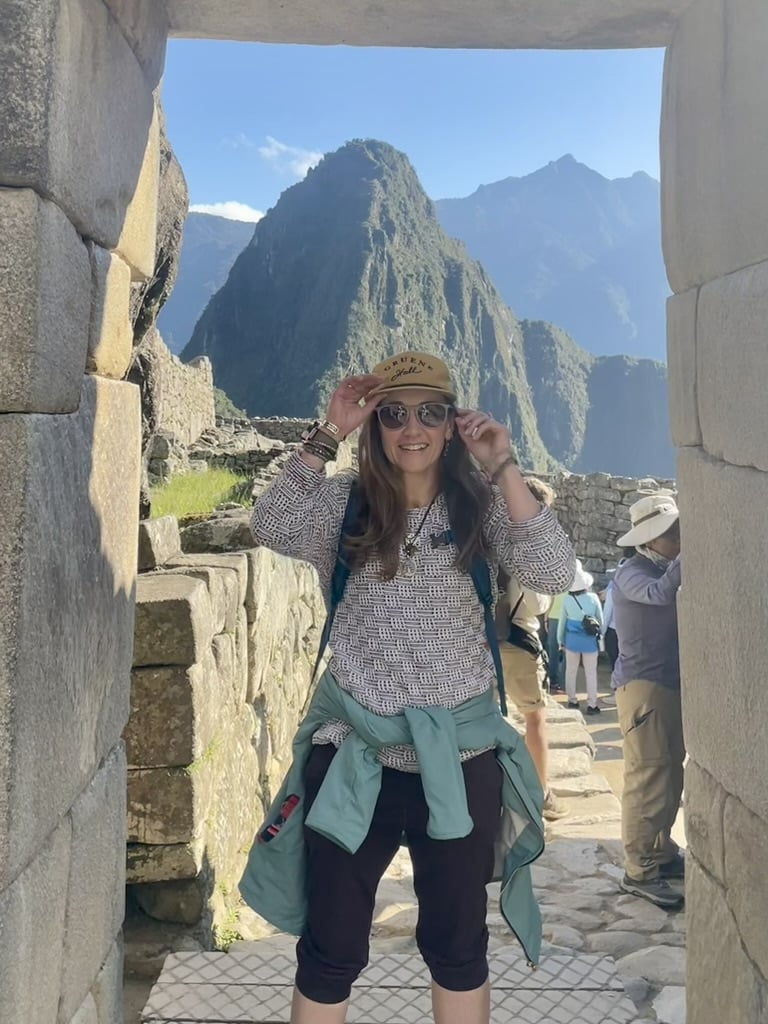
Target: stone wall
(182, 393)
(78, 193)
(594, 510)
(224, 649)
(281, 429)
(714, 146)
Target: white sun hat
(582, 580)
(650, 517)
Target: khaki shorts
(524, 678)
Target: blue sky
(246, 120)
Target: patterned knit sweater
(418, 639)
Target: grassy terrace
(195, 494)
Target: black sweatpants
(449, 876)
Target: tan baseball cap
(414, 370)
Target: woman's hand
(485, 439)
(344, 409)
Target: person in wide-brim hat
(646, 678)
(651, 516)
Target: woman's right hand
(344, 409)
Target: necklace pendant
(407, 566)
(409, 548)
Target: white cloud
(231, 210)
(285, 159)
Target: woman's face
(413, 444)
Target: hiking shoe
(655, 890)
(674, 868)
(553, 808)
(574, 704)
(593, 710)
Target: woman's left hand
(485, 439)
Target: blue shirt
(645, 619)
(570, 632)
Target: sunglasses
(429, 414)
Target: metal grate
(254, 987)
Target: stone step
(253, 985)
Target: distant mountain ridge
(209, 247)
(567, 245)
(352, 265)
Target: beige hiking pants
(651, 723)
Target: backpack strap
(340, 572)
(481, 578)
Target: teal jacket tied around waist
(273, 882)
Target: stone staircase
(253, 985)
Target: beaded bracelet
(509, 461)
(320, 450)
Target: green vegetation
(225, 407)
(195, 494)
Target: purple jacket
(645, 620)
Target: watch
(332, 432)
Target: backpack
(479, 571)
(589, 623)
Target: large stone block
(235, 560)
(110, 340)
(681, 368)
(715, 951)
(451, 23)
(68, 551)
(86, 1013)
(222, 587)
(169, 805)
(174, 710)
(45, 296)
(145, 26)
(76, 116)
(145, 863)
(704, 808)
(732, 366)
(32, 913)
(746, 842)
(714, 142)
(108, 988)
(174, 621)
(96, 890)
(724, 554)
(138, 235)
(159, 540)
(181, 901)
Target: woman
(410, 660)
(581, 619)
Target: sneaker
(556, 688)
(674, 868)
(655, 890)
(574, 704)
(553, 808)
(609, 701)
(593, 710)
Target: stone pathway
(586, 917)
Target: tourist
(647, 684)
(523, 658)
(411, 677)
(554, 656)
(581, 619)
(610, 638)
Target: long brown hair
(381, 526)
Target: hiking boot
(674, 868)
(574, 704)
(655, 890)
(593, 710)
(553, 808)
